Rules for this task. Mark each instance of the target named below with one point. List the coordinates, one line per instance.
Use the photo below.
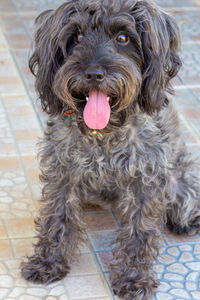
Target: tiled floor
(21, 122)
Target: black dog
(103, 70)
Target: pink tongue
(97, 110)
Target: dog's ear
(47, 56)
(160, 42)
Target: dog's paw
(40, 271)
(192, 228)
(195, 225)
(134, 288)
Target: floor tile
(89, 207)
(178, 3)
(5, 6)
(27, 135)
(33, 176)
(173, 238)
(8, 83)
(85, 287)
(105, 259)
(101, 240)
(18, 41)
(189, 24)
(101, 221)
(22, 247)
(190, 71)
(30, 162)
(6, 251)
(9, 163)
(3, 234)
(20, 228)
(85, 265)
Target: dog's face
(104, 59)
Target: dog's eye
(122, 39)
(78, 38)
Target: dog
(103, 73)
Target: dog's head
(103, 58)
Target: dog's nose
(95, 73)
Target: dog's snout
(95, 73)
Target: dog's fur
(138, 164)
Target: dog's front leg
(59, 232)
(137, 248)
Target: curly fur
(138, 164)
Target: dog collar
(69, 112)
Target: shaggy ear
(47, 56)
(160, 41)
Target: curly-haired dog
(103, 71)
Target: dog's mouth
(96, 107)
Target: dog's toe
(38, 271)
(192, 227)
(132, 288)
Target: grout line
(17, 238)
(35, 12)
(178, 244)
(191, 128)
(116, 219)
(100, 267)
(180, 8)
(189, 42)
(19, 15)
(13, 94)
(183, 87)
(12, 156)
(7, 239)
(190, 89)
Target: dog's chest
(92, 159)
(100, 166)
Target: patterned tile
(15, 197)
(180, 276)
(16, 288)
